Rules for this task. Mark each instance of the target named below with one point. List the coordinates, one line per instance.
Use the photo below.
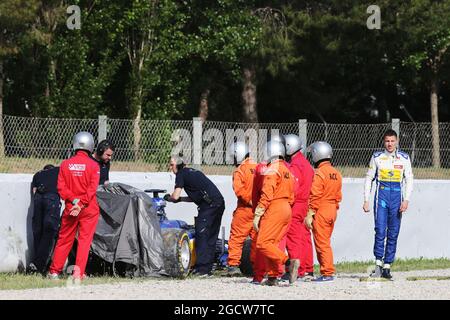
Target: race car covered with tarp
(135, 238)
(128, 234)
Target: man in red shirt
(77, 185)
(298, 239)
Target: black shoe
(32, 269)
(271, 281)
(285, 277)
(199, 274)
(233, 271)
(204, 275)
(386, 273)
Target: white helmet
(274, 149)
(238, 150)
(320, 150)
(277, 137)
(83, 141)
(293, 144)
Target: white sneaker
(53, 276)
(307, 277)
(377, 272)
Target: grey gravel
(346, 286)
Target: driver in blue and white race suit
(392, 173)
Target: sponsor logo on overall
(77, 167)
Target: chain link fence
(30, 143)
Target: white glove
(309, 219)
(259, 212)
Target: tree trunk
(249, 95)
(204, 107)
(51, 79)
(435, 122)
(137, 134)
(2, 141)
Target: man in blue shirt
(103, 155)
(391, 171)
(46, 216)
(211, 206)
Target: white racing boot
(378, 272)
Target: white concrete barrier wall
(424, 232)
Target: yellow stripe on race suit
(390, 175)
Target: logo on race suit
(77, 167)
(398, 166)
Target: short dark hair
(390, 133)
(48, 166)
(105, 145)
(179, 160)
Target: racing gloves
(259, 212)
(309, 219)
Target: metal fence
(30, 143)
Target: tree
(427, 25)
(50, 15)
(153, 40)
(15, 18)
(221, 32)
(271, 56)
(86, 61)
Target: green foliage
(15, 17)
(17, 281)
(427, 26)
(399, 265)
(312, 59)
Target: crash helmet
(293, 144)
(275, 136)
(83, 141)
(320, 150)
(238, 151)
(274, 149)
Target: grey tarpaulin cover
(128, 229)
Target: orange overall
(242, 223)
(277, 196)
(326, 193)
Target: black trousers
(45, 225)
(207, 227)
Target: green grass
(18, 281)
(399, 265)
(427, 278)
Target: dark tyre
(177, 252)
(246, 265)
